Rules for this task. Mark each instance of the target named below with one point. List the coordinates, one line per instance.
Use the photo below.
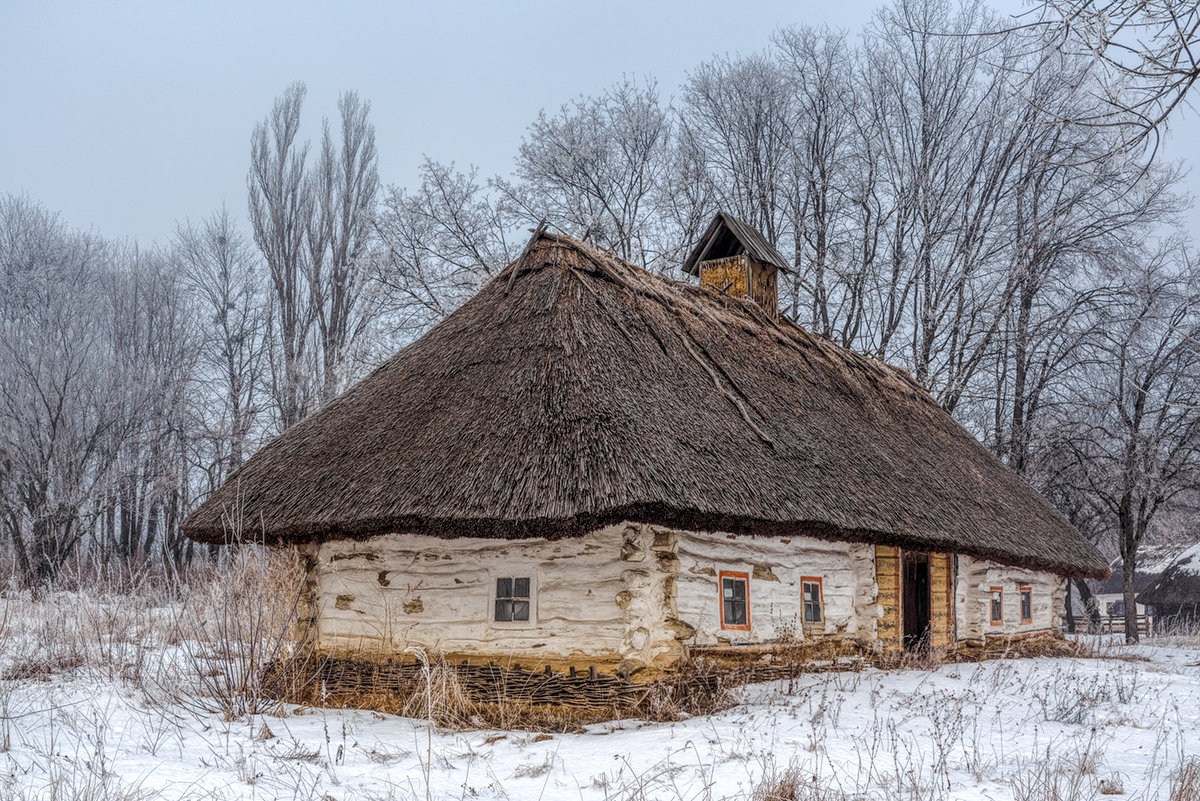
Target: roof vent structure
(732, 258)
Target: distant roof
(1179, 584)
(1152, 560)
(576, 391)
(726, 236)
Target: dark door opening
(916, 601)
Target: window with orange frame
(735, 599)
(997, 605)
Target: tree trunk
(1129, 568)
(1089, 602)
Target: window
(512, 599)
(997, 605)
(735, 600)
(812, 599)
(1026, 605)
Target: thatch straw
(574, 391)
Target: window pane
(503, 610)
(520, 588)
(733, 601)
(520, 610)
(504, 588)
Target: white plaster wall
(383, 594)
(775, 566)
(973, 584)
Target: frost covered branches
(93, 344)
(438, 245)
(1133, 430)
(311, 223)
(1147, 56)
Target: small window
(997, 605)
(735, 600)
(512, 599)
(1026, 605)
(813, 602)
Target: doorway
(915, 604)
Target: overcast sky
(130, 116)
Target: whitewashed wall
(775, 566)
(607, 597)
(974, 580)
(631, 595)
(383, 594)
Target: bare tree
(1147, 56)
(820, 194)
(345, 185)
(154, 341)
(281, 208)
(67, 402)
(1136, 432)
(439, 244)
(220, 272)
(738, 115)
(594, 167)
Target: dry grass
(228, 617)
(230, 628)
(438, 695)
(1185, 781)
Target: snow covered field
(100, 702)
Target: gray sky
(129, 116)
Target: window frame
(820, 600)
(1026, 592)
(996, 605)
(735, 575)
(513, 572)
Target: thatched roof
(1178, 585)
(574, 391)
(1152, 561)
(726, 236)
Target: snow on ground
(124, 727)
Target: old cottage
(588, 464)
(1175, 593)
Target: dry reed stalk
(1185, 781)
(232, 626)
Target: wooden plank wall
(764, 287)
(887, 579)
(941, 601)
(725, 276)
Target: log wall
(728, 276)
(975, 579)
(776, 567)
(941, 600)
(887, 577)
(381, 595)
(888, 574)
